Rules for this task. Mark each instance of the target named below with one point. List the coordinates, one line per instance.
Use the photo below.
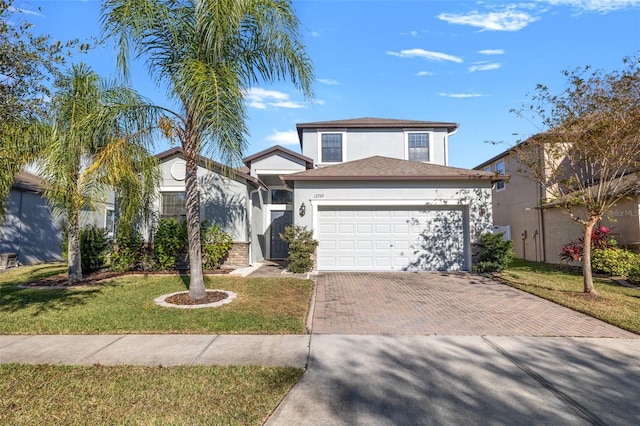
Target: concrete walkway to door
(433, 303)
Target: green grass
(126, 305)
(615, 304)
(46, 395)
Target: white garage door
(390, 238)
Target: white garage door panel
(384, 238)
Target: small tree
(587, 159)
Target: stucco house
(29, 229)
(539, 233)
(378, 195)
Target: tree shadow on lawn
(15, 299)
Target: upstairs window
(174, 205)
(500, 185)
(331, 148)
(418, 147)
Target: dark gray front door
(279, 220)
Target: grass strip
(616, 305)
(46, 394)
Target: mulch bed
(183, 298)
(61, 281)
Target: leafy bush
(634, 274)
(614, 261)
(301, 248)
(495, 253)
(169, 242)
(127, 250)
(94, 246)
(600, 239)
(216, 245)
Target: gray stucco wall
(390, 143)
(223, 200)
(30, 230)
(278, 161)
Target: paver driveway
(428, 303)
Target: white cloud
(414, 33)
(506, 20)
(288, 137)
(424, 73)
(596, 5)
(484, 66)
(287, 104)
(461, 95)
(491, 52)
(426, 54)
(315, 34)
(262, 99)
(328, 82)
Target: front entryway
(280, 219)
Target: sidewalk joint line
(581, 410)
(193, 361)
(100, 349)
(23, 338)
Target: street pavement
(485, 354)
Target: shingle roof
(26, 181)
(375, 123)
(390, 169)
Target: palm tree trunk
(587, 276)
(196, 280)
(74, 263)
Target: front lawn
(47, 395)
(126, 305)
(616, 304)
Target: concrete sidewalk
(461, 380)
(394, 380)
(156, 349)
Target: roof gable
(275, 150)
(210, 165)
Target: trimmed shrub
(301, 248)
(614, 261)
(634, 273)
(127, 252)
(169, 242)
(495, 253)
(94, 247)
(216, 245)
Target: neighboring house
(377, 194)
(538, 233)
(29, 229)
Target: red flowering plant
(600, 239)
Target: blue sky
(468, 62)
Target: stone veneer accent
(238, 256)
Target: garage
(391, 238)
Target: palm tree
(207, 53)
(96, 140)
